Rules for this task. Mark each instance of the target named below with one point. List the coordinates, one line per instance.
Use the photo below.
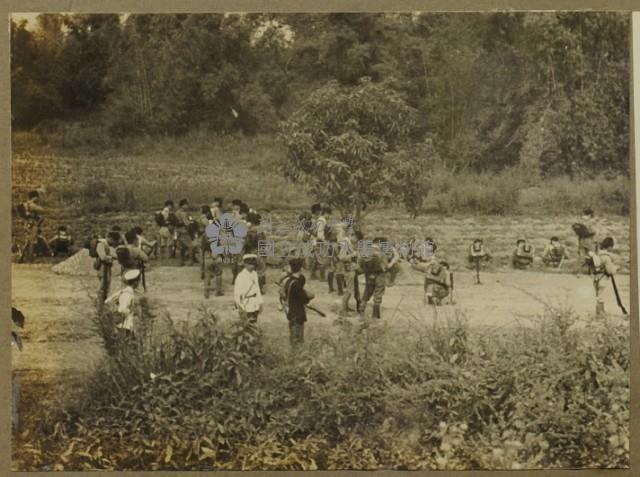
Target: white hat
(131, 274)
(249, 256)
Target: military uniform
(61, 244)
(373, 266)
(522, 256)
(251, 245)
(211, 268)
(345, 271)
(184, 238)
(104, 261)
(601, 273)
(247, 295)
(436, 280)
(165, 231)
(478, 253)
(587, 243)
(553, 255)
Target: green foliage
(349, 147)
(211, 395)
(493, 90)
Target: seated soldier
(523, 255)
(555, 253)
(61, 243)
(437, 279)
(478, 254)
(41, 246)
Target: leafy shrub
(215, 395)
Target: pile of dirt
(79, 264)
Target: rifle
(356, 290)
(451, 300)
(615, 289)
(309, 307)
(477, 260)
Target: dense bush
(362, 396)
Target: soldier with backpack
(585, 230)
(294, 299)
(165, 228)
(32, 213)
(104, 255)
(373, 265)
(184, 231)
(603, 270)
(129, 304)
(211, 265)
(522, 257)
(130, 257)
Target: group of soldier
(333, 251)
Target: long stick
(477, 272)
(309, 307)
(615, 289)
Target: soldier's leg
(261, 268)
(331, 275)
(599, 286)
(218, 275)
(369, 288)
(378, 293)
(207, 273)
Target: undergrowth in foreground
(442, 395)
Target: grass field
(464, 403)
(517, 374)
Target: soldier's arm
(36, 208)
(102, 254)
(138, 254)
(609, 266)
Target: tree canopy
(547, 90)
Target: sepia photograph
(321, 241)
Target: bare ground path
(59, 336)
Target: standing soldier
(319, 224)
(373, 264)
(129, 309)
(585, 230)
(165, 232)
(185, 241)
(251, 245)
(294, 299)
(31, 211)
(393, 262)
(523, 255)
(211, 267)
(105, 254)
(131, 257)
(216, 208)
(603, 268)
(344, 255)
(246, 290)
(555, 253)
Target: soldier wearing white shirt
(246, 290)
(128, 306)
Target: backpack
(594, 262)
(173, 219)
(159, 218)
(124, 257)
(581, 230)
(283, 292)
